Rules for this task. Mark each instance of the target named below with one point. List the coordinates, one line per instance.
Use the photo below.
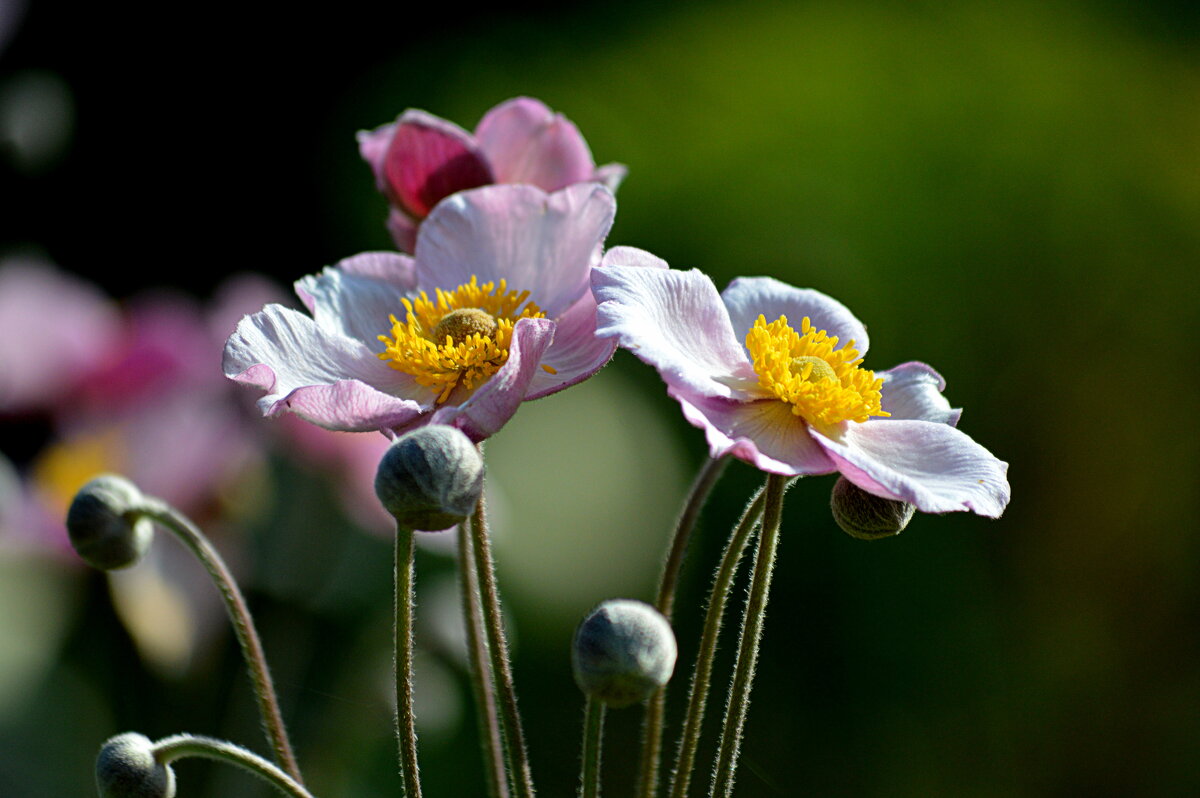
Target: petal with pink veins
(543, 243)
(749, 297)
(931, 465)
(526, 142)
(675, 321)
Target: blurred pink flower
(54, 329)
(789, 400)
(420, 159)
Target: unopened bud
(430, 478)
(126, 768)
(866, 516)
(106, 524)
(624, 650)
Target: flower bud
(866, 516)
(430, 478)
(106, 524)
(126, 768)
(624, 650)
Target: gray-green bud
(126, 768)
(430, 478)
(106, 524)
(866, 516)
(624, 650)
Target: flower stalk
(652, 723)
(593, 736)
(747, 654)
(406, 730)
(493, 621)
(180, 746)
(480, 669)
(243, 626)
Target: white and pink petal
(676, 322)
(914, 391)
(749, 297)
(928, 464)
(764, 433)
(543, 243)
(526, 142)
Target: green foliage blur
(1008, 192)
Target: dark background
(1010, 192)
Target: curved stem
(243, 627)
(481, 679)
(180, 746)
(685, 758)
(406, 729)
(514, 735)
(652, 722)
(747, 655)
(593, 736)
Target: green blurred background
(1007, 191)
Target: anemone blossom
(495, 308)
(772, 374)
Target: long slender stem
(514, 735)
(243, 627)
(480, 669)
(685, 758)
(747, 655)
(180, 746)
(593, 737)
(652, 721)
(406, 728)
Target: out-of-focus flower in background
(420, 159)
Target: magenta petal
(576, 354)
(749, 297)
(537, 242)
(914, 390)
(931, 465)
(429, 159)
(526, 142)
(373, 147)
(674, 321)
(493, 403)
(764, 433)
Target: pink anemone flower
(494, 309)
(421, 159)
(772, 374)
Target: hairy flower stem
(593, 736)
(406, 729)
(747, 654)
(243, 627)
(514, 735)
(180, 746)
(689, 740)
(652, 722)
(481, 673)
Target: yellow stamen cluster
(459, 337)
(824, 385)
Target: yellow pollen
(62, 468)
(823, 384)
(460, 337)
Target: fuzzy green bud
(430, 478)
(624, 650)
(126, 768)
(106, 524)
(866, 516)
